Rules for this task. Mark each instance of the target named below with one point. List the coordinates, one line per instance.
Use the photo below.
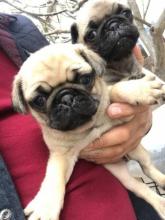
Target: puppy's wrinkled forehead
(54, 66)
(96, 10)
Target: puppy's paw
(41, 208)
(146, 91)
(150, 90)
(136, 76)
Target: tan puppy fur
(52, 70)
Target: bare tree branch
(143, 21)
(143, 35)
(58, 31)
(31, 6)
(81, 2)
(31, 13)
(159, 45)
(50, 8)
(79, 5)
(159, 27)
(147, 7)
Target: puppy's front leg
(145, 91)
(48, 202)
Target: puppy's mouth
(71, 108)
(121, 49)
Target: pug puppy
(107, 28)
(65, 92)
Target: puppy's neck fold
(128, 64)
(120, 69)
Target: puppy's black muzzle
(116, 37)
(71, 108)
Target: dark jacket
(18, 38)
(22, 35)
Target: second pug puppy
(107, 27)
(65, 92)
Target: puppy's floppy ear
(18, 99)
(74, 33)
(97, 63)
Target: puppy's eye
(39, 102)
(86, 80)
(126, 13)
(91, 35)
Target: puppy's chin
(121, 49)
(71, 109)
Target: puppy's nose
(67, 99)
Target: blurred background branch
(151, 36)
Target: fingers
(138, 54)
(112, 138)
(141, 123)
(122, 110)
(122, 133)
(113, 145)
(109, 154)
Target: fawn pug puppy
(65, 92)
(106, 27)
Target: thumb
(120, 110)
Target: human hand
(138, 54)
(117, 142)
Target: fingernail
(114, 111)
